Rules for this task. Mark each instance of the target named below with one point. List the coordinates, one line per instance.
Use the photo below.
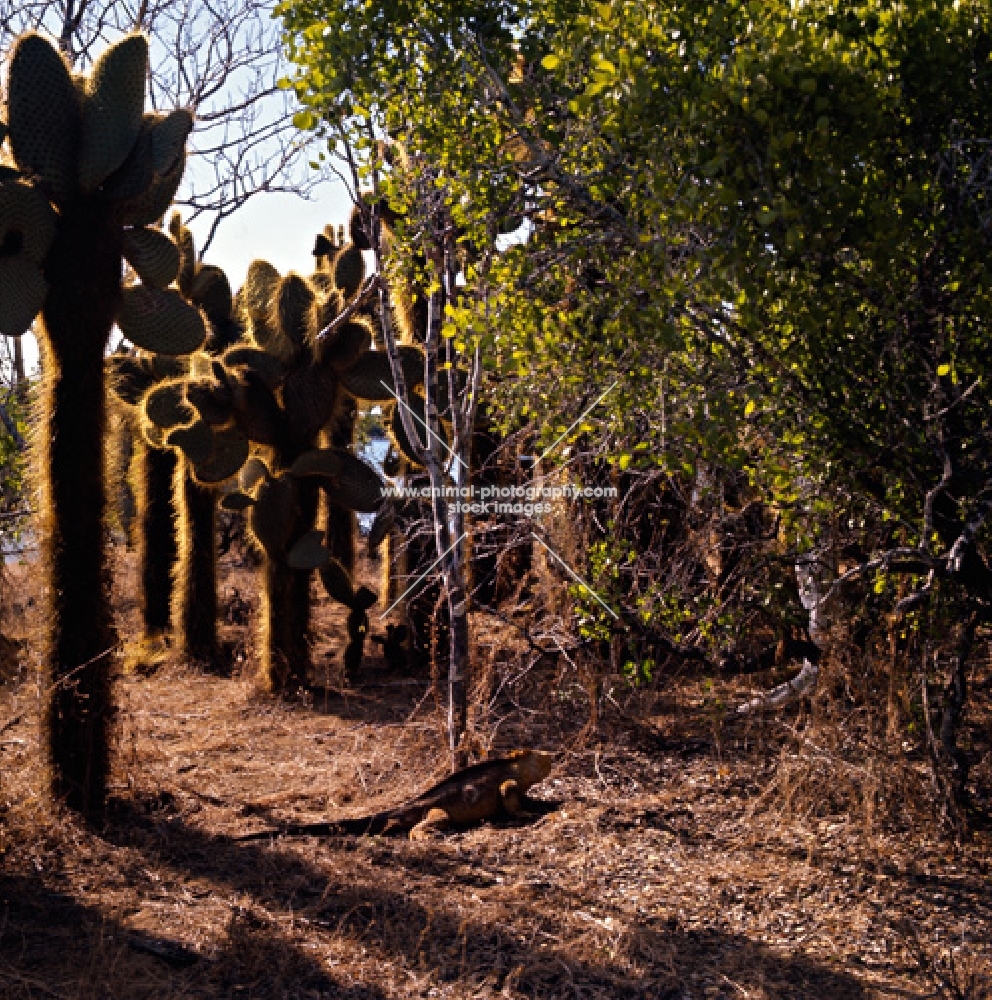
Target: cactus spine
(82, 145)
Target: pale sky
(279, 228)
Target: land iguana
(487, 790)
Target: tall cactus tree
(152, 470)
(309, 361)
(195, 592)
(179, 581)
(92, 170)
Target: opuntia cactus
(195, 593)
(92, 170)
(281, 394)
(151, 474)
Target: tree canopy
(767, 222)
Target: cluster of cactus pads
(90, 164)
(87, 175)
(269, 388)
(294, 388)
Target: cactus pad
(261, 362)
(130, 378)
(212, 400)
(43, 114)
(164, 366)
(169, 140)
(337, 583)
(347, 345)
(329, 304)
(196, 441)
(22, 294)
(309, 396)
(349, 270)
(113, 107)
(211, 291)
(324, 247)
(154, 257)
(27, 222)
(357, 486)
(309, 552)
(271, 519)
(154, 201)
(259, 290)
(364, 379)
(237, 501)
(356, 230)
(160, 321)
(318, 462)
(230, 452)
(293, 311)
(136, 174)
(166, 405)
(256, 410)
(269, 339)
(187, 253)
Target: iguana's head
(532, 765)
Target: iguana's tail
(363, 826)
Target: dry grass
(688, 858)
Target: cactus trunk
(341, 525)
(157, 543)
(196, 571)
(286, 639)
(84, 270)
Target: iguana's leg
(518, 803)
(436, 819)
(513, 800)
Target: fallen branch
(792, 690)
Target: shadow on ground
(418, 918)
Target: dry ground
(686, 859)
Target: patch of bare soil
(685, 858)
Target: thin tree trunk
(951, 759)
(20, 378)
